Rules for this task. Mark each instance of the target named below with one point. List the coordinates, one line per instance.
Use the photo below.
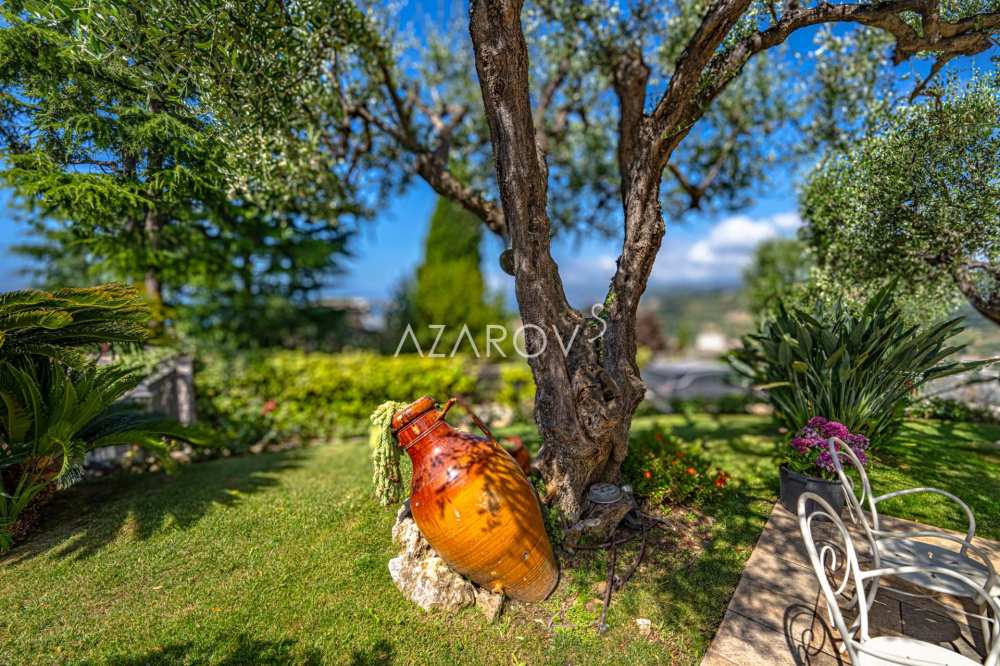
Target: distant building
(711, 342)
(358, 312)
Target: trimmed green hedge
(277, 395)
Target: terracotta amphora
(474, 504)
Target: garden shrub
(666, 470)
(861, 370)
(57, 402)
(947, 409)
(287, 393)
(517, 388)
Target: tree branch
(719, 20)
(987, 305)
(701, 66)
(964, 37)
(630, 79)
(437, 175)
(938, 65)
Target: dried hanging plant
(387, 479)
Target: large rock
(426, 580)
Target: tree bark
(587, 381)
(986, 304)
(151, 229)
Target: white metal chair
(899, 549)
(837, 559)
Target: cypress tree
(448, 288)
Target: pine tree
(126, 176)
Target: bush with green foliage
(56, 403)
(517, 388)
(666, 470)
(918, 199)
(285, 394)
(946, 409)
(861, 370)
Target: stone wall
(168, 390)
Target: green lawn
(281, 558)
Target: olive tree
(917, 200)
(584, 115)
(586, 398)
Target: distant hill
(684, 312)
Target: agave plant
(859, 370)
(56, 403)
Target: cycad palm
(62, 325)
(55, 402)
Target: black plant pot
(794, 484)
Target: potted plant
(809, 466)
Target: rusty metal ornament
(474, 504)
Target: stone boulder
(426, 580)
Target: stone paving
(777, 614)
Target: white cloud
(790, 220)
(717, 257)
(723, 253)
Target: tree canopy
(916, 200)
(127, 176)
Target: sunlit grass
(281, 558)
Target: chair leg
(986, 626)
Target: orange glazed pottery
(475, 506)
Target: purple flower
(856, 441)
(802, 444)
(835, 429)
(825, 461)
(810, 444)
(817, 422)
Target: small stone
(594, 605)
(645, 626)
(490, 603)
(601, 588)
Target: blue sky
(699, 252)
(707, 250)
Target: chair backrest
(855, 503)
(835, 563)
(837, 568)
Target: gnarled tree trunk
(587, 385)
(985, 301)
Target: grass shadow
(234, 651)
(82, 520)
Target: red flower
(658, 437)
(647, 474)
(269, 407)
(722, 479)
(692, 471)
